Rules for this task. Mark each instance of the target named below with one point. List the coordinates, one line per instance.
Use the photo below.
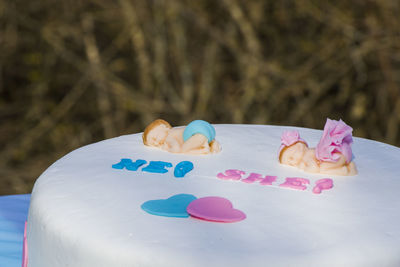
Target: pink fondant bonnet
(289, 138)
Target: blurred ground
(74, 72)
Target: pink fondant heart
(216, 209)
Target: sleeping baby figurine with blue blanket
(198, 137)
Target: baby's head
(292, 148)
(292, 155)
(156, 133)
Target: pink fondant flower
(289, 138)
(336, 138)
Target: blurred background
(76, 72)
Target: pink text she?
(296, 183)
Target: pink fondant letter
(253, 177)
(322, 184)
(268, 180)
(295, 183)
(231, 175)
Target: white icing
(85, 213)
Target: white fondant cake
(85, 213)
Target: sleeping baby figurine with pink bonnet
(332, 155)
(198, 137)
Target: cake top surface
(90, 202)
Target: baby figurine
(332, 155)
(198, 137)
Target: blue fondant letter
(182, 168)
(157, 167)
(129, 165)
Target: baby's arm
(173, 143)
(309, 163)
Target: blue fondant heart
(174, 206)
